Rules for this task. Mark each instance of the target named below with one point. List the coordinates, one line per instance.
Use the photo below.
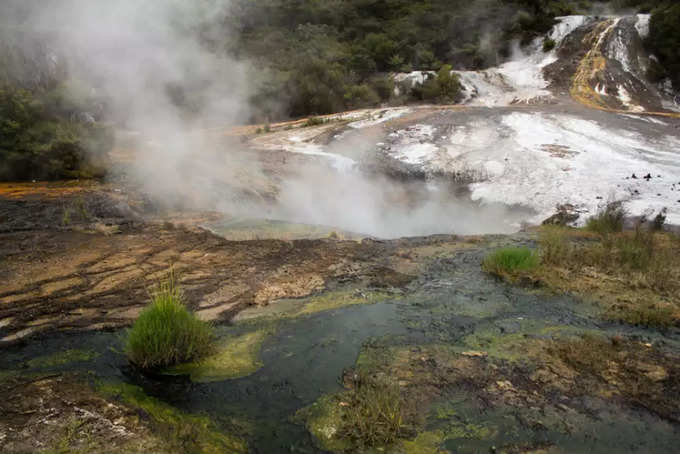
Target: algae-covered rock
(323, 420)
(183, 432)
(424, 443)
(514, 340)
(291, 308)
(62, 358)
(236, 357)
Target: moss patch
(236, 357)
(425, 443)
(526, 342)
(183, 432)
(323, 420)
(62, 358)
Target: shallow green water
(453, 303)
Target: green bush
(548, 44)
(510, 260)
(166, 333)
(383, 86)
(361, 96)
(607, 220)
(444, 88)
(38, 142)
(664, 39)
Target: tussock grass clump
(510, 260)
(167, 333)
(607, 220)
(374, 416)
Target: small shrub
(360, 96)
(383, 86)
(548, 44)
(374, 414)
(443, 88)
(166, 333)
(510, 260)
(608, 220)
(659, 220)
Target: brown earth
(62, 413)
(95, 271)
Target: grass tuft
(167, 333)
(510, 260)
(373, 415)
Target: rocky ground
(92, 270)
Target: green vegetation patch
(548, 44)
(510, 261)
(444, 88)
(166, 333)
(428, 442)
(664, 41)
(236, 357)
(635, 275)
(368, 415)
(183, 432)
(62, 358)
(39, 140)
(527, 340)
(323, 420)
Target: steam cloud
(145, 56)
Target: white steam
(173, 92)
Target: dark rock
(565, 215)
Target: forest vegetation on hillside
(308, 57)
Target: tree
(664, 39)
(36, 143)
